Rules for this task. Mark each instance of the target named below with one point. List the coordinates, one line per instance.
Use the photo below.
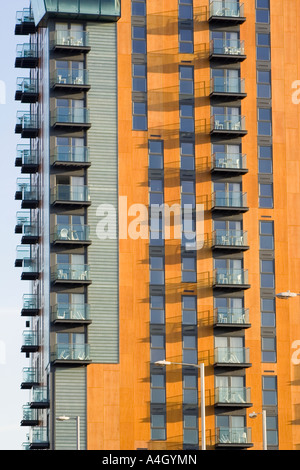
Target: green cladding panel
(95, 10)
(103, 333)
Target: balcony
(27, 90)
(27, 159)
(233, 240)
(233, 397)
(22, 252)
(232, 357)
(227, 13)
(69, 41)
(231, 317)
(25, 22)
(73, 80)
(229, 163)
(75, 235)
(30, 342)
(71, 313)
(27, 125)
(69, 156)
(30, 417)
(29, 378)
(227, 50)
(39, 398)
(72, 118)
(229, 88)
(233, 437)
(30, 234)
(230, 278)
(27, 56)
(31, 307)
(30, 270)
(71, 353)
(66, 195)
(38, 438)
(27, 193)
(229, 201)
(227, 125)
(71, 274)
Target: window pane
(262, 16)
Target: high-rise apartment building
(187, 103)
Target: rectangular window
(266, 235)
(155, 149)
(190, 429)
(139, 81)
(188, 269)
(158, 426)
(157, 275)
(265, 164)
(186, 36)
(189, 310)
(268, 349)
(263, 11)
(263, 50)
(139, 40)
(186, 118)
(269, 389)
(139, 118)
(266, 195)
(189, 349)
(264, 121)
(268, 312)
(157, 309)
(272, 430)
(263, 84)
(157, 348)
(187, 155)
(267, 276)
(185, 10)
(158, 388)
(138, 7)
(186, 80)
(190, 389)
(188, 198)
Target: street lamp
(202, 388)
(264, 423)
(77, 419)
(286, 295)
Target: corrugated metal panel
(103, 183)
(70, 400)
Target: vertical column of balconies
(229, 239)
(27, 225)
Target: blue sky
(12, 398)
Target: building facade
(132, 113)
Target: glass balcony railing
(232, 123)
(29, 414)
(226, 9)
(23, 252)
(30, 194)
(27, 85)
(231, 316)
(233, 435)
(30, 268)
(65, 116)
(67, 193)
(30, 338)
(39, 395)
(38, 436)
(238, 277)
(232, 355)
(236, 238)
(26, 155)
(70, 154)
(232, 395)
(70, 77)
(23, 218)
(74, 233)
(22, 183)
(27, 51)
(227, 47)
(71, 352)
(24, 16)
(229, 161)
(229, 199)
(229, 86)
(31, 230)
(70, 312)
(70, 38)
(30, 375)
(30, 301)
(70, 272)
(27, 124)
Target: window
(262, 11)
(186, 118)
(272, 430)
(186, 80)
(265, 164)
(266, 235)
(139, 40)
(157, 309)
(185, 10)
(264, 121)
(187, 155)
(190, 389)
(263, 84)
(190, 429)
(155, 149)
(263, 51)
(158, 426)
(157, 270)
(139, 82)
(189, 310)
(156, 191)
(138, 7)
(266, 195)
(268, 349)
(189, 349)
(188, 194)
(269, 389)
(267, 277)
(268, 312)
(139, 119)
(186, 35)
(188, 269)
(157, 348)
(158, 388)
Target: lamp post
(286, 295)
(77, 419)
(264, 423)
(202, 388)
